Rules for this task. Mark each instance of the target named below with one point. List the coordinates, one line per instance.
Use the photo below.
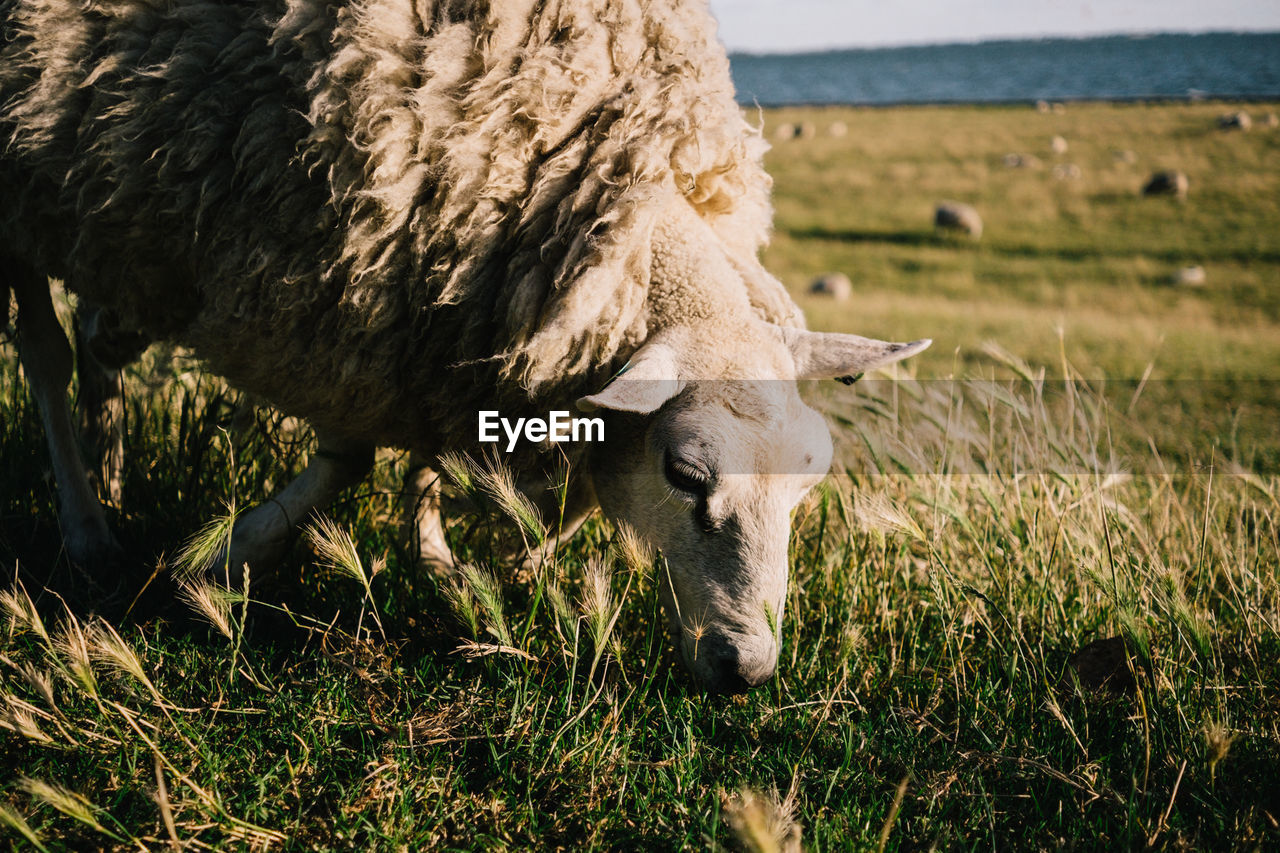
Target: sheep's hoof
(97, 565)
(260, 540)
(91, 547)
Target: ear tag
(624, 369)
(849, 380)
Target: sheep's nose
(736, 669)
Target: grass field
(1037, 604)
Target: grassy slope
(941, 580)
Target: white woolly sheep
(958, 218)
(385, 216)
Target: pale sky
(791, 25)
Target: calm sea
(1237, 65)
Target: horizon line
(981, 40)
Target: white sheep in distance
(385, 216)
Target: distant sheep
(386, 216)
(959, 218)
(1170, 182)
(1192, 276)
(834, 285)
(1014, 160)
(1238, 120)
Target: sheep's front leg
(47, 360)
(262, 536)
(424, 528)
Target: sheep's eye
(686, 477)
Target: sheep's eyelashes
(686, 476)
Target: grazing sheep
(1238, 120)
(387, 216)
(1014, 160)
(1170, 182)
(1058, 145)
(1192, 276)
(957, 217)
(835, 285)
(838, 129)
(786, 132)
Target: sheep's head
(709, 450)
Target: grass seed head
(213, 603)
(762, 823)
(487, 593)
(18, 824)
(1218, 742)
(207, 547)
(15, 717)
(71, 804)
(499, 483)
(458, 593)
(336, 549)
(22, 612)
(635, 553)
(461, 471)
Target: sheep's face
(710, 479)
(709, 471)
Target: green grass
(975, 535)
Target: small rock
(1170, 182)
(1058, 145)
(835, 285)
(838, 129)
(1105, 665)
(1192, 276)
(1238, 120)
(958, 217)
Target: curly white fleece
(381, 214)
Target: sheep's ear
(648, 380)
(822, 355)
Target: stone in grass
(1192, 276)
(833, 285)
(1169, 182)
(1106, 665)
(958, 218)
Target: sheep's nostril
(733, 669)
